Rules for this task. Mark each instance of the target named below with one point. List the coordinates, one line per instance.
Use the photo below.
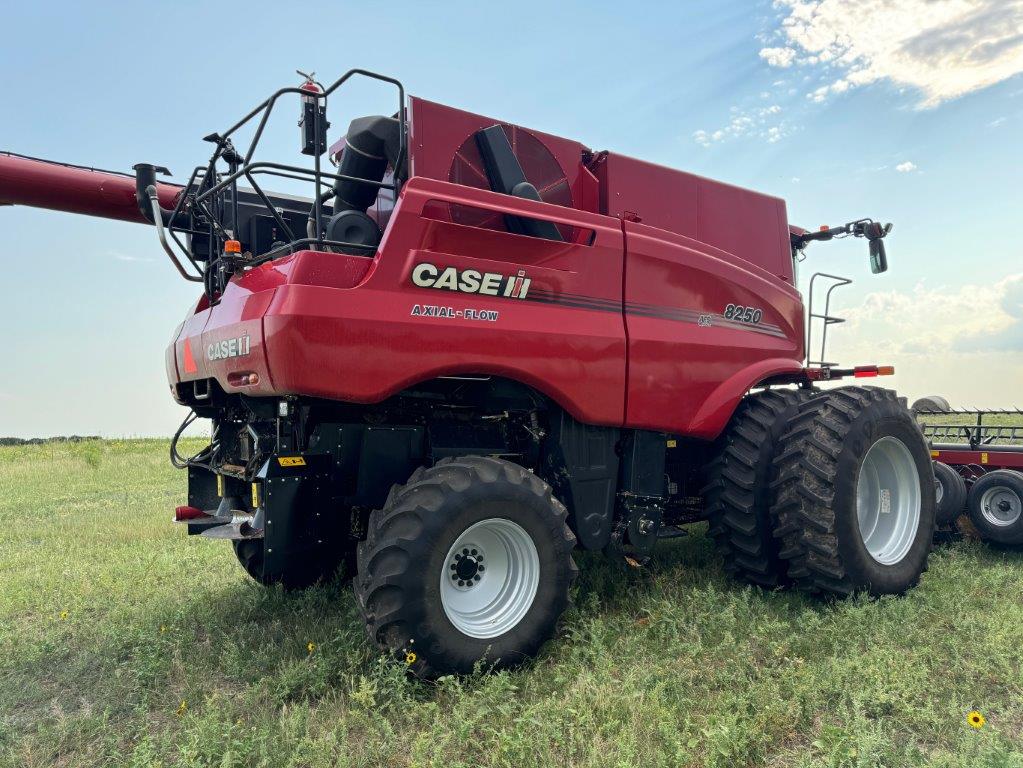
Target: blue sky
(909, 111)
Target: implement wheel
(855, 494)
(950, 494)
(996, 506)
(470, 561)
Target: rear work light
(869, 371)
(243, 379)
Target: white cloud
(997, 122)
(942, 49)
(963, 319)
(963, 341)
(778, 57)
(906, 167)
(763, 123)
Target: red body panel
(363, 344)
(342, 327)
(688, 365)
(745, 227)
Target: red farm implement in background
(473, 347)
(978, 457)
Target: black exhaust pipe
(372, 142)
(371, 145)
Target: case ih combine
(475, 347)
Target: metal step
(239, 528)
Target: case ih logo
(427, 275)
(221, 350)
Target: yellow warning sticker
(935, 454)
(255, 495)
(220, 485)
(291, 461)
(983, 458)
(673, 443)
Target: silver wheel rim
(888, 500)
(939, 491)
(1001, 506)
(490, 578)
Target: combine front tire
(996, 506)
(737, 490)
(855, 494)
(470, 561)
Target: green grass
(122, 642)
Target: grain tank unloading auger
(474, 347)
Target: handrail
(828, 319)
(206, 199)
(154, 201)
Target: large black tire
(950, 493)
(738, 493)
(405, 557)
(818, 472)
(996, 507)
(298, 576)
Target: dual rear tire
(832, 492)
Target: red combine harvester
(475, 347)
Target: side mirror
(878, 258)
(875, 232)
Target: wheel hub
(467, 568)
(1001, 506)
(490, 578)
(888, 500)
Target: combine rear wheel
(737, 490)
(855, 494)
(996, 506)
(470, 561)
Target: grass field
(122, 642)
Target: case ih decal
(427, 275)
(450, 313)
(222, 350)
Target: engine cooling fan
(538, 164)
